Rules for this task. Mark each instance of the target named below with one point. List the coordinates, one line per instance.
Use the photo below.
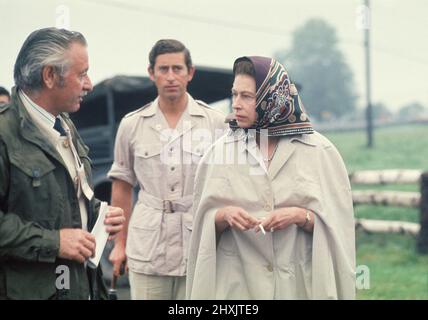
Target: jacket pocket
(147, 161)
(34, 185)
(192, 154)
(29, 280)
(143, 233)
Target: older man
(47, 208)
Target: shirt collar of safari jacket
(193, 109)
(192, 105)
(278, 105)
(28, 129)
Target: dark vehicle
(103, 108)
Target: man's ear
(191, 73)
(151, 73)
(49, 76)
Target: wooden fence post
(422, 244)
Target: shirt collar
(43, 119)
(193, 108)
(41, 113)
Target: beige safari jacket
(162, 161)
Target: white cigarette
(263, 229)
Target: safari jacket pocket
(192, 154)
(143, 234)
(148, 162)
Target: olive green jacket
(37, 199)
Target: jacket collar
(286, 148)
(184, 125)
(150, 110)
(193, 108)
(29, 131)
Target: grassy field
(396, 270)
(394, 147)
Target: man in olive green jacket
(47, 208)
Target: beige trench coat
(306, 171)
(163, 163)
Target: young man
(47, 208)
(155, 149)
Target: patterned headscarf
(278, 104)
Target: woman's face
(244, 100)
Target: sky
(120, 35)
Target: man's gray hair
(44, 47)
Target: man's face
(4, 99)
(171, 75)
(68, 95)
(244, 100)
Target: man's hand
(114, 221)
(118, 258)
(236, 218)
(76, 244)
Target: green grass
(396, 270)
(386, 213)
(404, 147)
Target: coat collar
(286, 148)
(30, 132)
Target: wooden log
(385, 176)
(387, 226)
(387, 198)
(422, 243)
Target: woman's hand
(234, 217)
(282, 218)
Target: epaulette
(205, 105)
(138, 110)
(4, 107)
(202, 103)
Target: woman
(273, 216)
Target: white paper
(100, 234)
